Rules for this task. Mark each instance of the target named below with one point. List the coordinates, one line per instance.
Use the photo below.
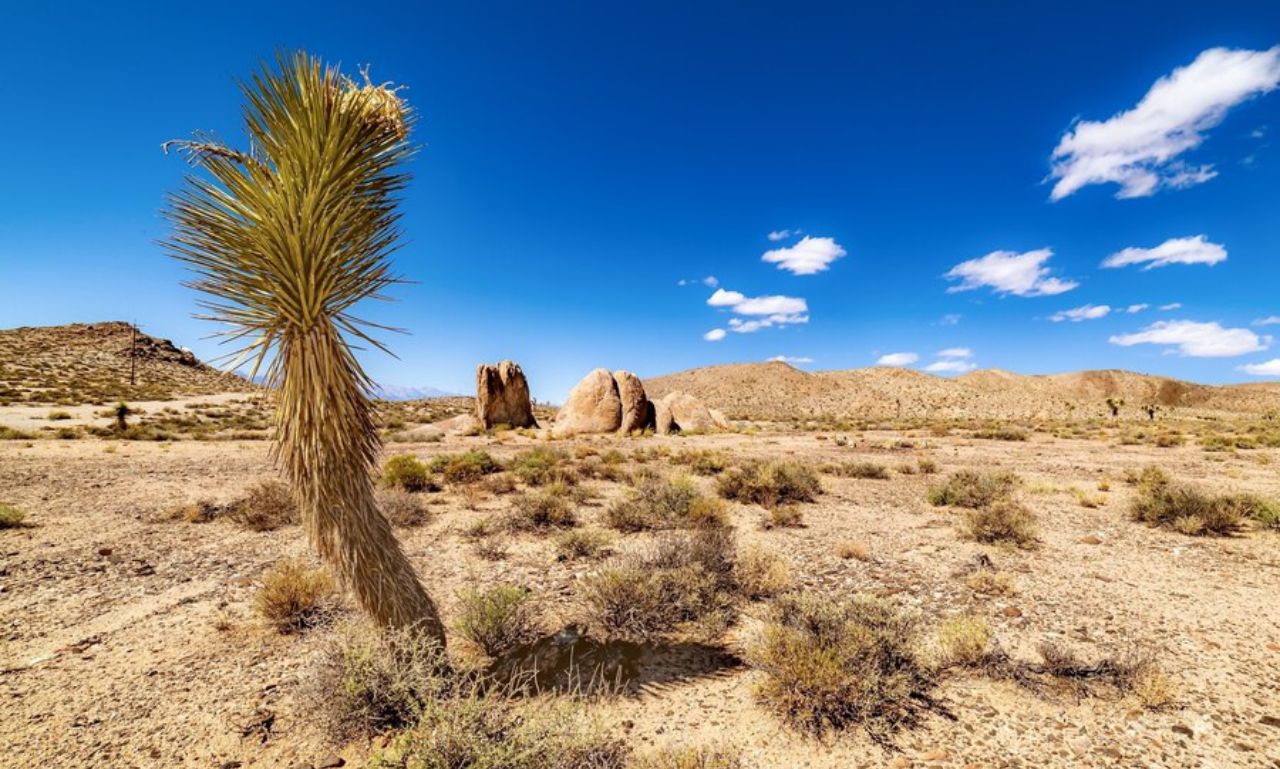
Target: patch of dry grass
(770, 484)
(294, 596)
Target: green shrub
(967, 488)
(488, 732)
(685, 578)
(701, 461)
(582, 544)
(831, 664)
(1001, 434)
(405, 471)
(770, 483)
(1161, 502)
(544, 509)
(466, 467)
(665, 503)
(11, 517)
(496, 619)
(1004, 520)
(540, 466)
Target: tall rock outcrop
(502, 396)
(593, 406)
(637, 409)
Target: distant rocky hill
(778, 391)
(92, 362)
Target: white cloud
(1086, 312)
(722, 298)
(955, 352)
(714, 335)
(950, 319)
(808, 257)
(898, 359)
(1270, 320)
(709, 281)
(788, 359)
(950, 367)
(1134, 309)
(755, 324)
(771, 305)
(1138, 148)
(1270, 368)
(1171, 306)
(1009, 272)
(777, 235)
(1195, 250)
(1197, 340)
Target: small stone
(1011, 612)
(935, 755)
(1270, 721)
(331, 761)
(899, 762)
(1091, 540)
(1183, 729)
(104, 551)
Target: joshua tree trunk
(327, 442)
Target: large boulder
(681, 412)
(502, 396)
(637, 410)
(593, 406)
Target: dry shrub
(849, 548)
(782, 516)
(830, 664)
(1153, 689)
(1132, 673)
(770, 483)
(927, 466)
(1004, 520)
(200, 511)
(267, 506)
(583, 544)
(701, 461)
(760, 573)
(496, 619)
(547, 508)
(968, 488)
(684, 578)
(989, 582)
(665, 503)
(466, 467)
(869, 470)
(964, 641)
(493, 549)
(406, 472)
(690, 758)
(1001, 434)
(402, 508)
(11, 517)
(373, 680)
(294, 596)
(1161, 502)
(490, 732)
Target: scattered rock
(104, 551)
(681, 412)
(1011, 612)
(331, 761)
(593, 406)
(502, 396)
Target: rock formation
(502, 396)
(593, 406)
(637, 409)
(681, 412)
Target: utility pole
(133, 353)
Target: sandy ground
(112, 655)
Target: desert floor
(130, 641)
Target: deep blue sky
(579, 161)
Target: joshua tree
(1114, 404)
(1151, 410)
(122, 413)
(285, 239)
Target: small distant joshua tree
(122, 412)
(1114, 404)
(1151, 410)
(286, 238)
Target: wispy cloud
(950, 367)
(1197, 340)
(1270, 320)
(714, 335)
(789, 359)
(955, 352)
(778, 235)
(808, 257)
(897, 359)
(950, 319)
(1171, 306)
(1010, 272)
(709, 281)
(1270, 368)
(1086, 312)
(1134, 309)
(1139, 148)
(761, 311)
(1195, 250)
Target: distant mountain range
(407, 393)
